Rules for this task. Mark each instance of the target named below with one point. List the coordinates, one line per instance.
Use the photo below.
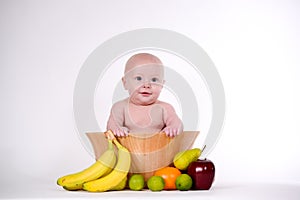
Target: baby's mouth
(146, 93)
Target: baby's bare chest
(147, 116)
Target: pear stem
(203, 148)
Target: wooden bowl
(149, 152)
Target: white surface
(231, 191)
(255, 46)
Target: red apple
(202, 172)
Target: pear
(183, 158)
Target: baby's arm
(174, 125)
(116, 120)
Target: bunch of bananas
(105, 174)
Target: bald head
(141, 59)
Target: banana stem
(110, 136)
(110, 144)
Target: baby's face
(144, 83)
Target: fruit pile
(108, 173)
(189, 172)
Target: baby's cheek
(132, 90)
(157, 87)
(135, 87)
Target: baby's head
(143, 78)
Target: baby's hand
(172, 131)
(120, 132)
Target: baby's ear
(124, 83)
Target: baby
(142, 112)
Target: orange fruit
(169, 174)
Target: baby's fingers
(118, 132)
(166, 131)
(172, 132)
(125, 131)
(169, 132)
(177, 131)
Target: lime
(136, 182)
(184, 182)
(156, 183)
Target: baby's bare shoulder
(164, 104)
(120, 104)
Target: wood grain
(149, 152)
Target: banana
(101, 167)
(116, 176)
(120, 186)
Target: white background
(254, 44)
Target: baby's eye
(138, 78)
(154, 79)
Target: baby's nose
(147, 84)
